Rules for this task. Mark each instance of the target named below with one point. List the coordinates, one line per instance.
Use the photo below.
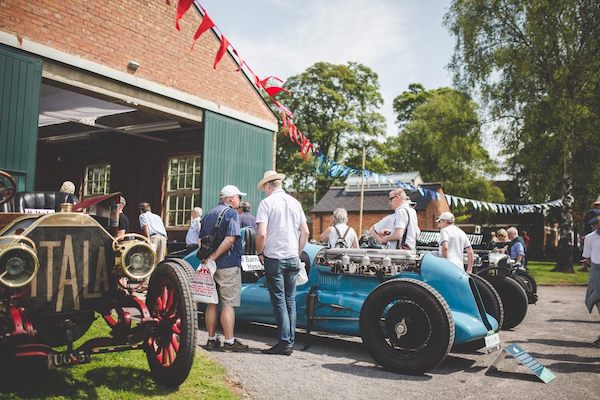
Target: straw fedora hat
(268, 177)
(597, 202)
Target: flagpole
(362, 193)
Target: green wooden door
(235, 153)
(20, 81)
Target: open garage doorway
(106, 145)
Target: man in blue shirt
(228, 276)
(517, 249)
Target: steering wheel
(8, 187)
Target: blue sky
(403, 41)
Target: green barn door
(235, 153)
(20, 81)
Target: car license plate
(251, 263)
(65, 359)
(492, 342)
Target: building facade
(376, 202)
(109, 95)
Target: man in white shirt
(280, 239)
(454, 242)
(406, 227)
(384, 227)
(192, 236)
(154, 229)
(591, 257)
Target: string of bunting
(309, 151)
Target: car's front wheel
(406, 326)
(171, 347)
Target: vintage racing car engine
(372, 262)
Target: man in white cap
(454, 242)
(193, 234)
(280, 239)
(228, 276)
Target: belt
(154, 234)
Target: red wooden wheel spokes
(165, 342)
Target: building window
(97, 180)
(183, 189)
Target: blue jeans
(281, 280)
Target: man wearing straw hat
(591, 257)
(280, 239)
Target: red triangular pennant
(182, 7)
(205, 25)
(221, 52)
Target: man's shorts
(229, 285)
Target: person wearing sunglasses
(405, 229)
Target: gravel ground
(558, 331)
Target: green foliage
(336, 107)
(440, 137)
(536, 64)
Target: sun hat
(268, 177)
(596, 202)
(230, 191)
(445, 216)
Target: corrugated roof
(374, 200)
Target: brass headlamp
(136, 259)
(18, 261)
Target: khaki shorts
(229, 285)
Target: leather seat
(41, 200)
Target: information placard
(518, 353)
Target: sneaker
(237, 346)
(212, 345)
(279, 349)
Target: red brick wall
(112, 32)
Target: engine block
(370, 262)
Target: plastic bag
(302, 277)
(203, 285)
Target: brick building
(376, 205)
(107, 94)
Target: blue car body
(339, 298)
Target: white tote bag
(203, 285)
(302, 277)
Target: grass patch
(541, 272)
(123, 375)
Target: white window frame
(178, 211)
(102, 178)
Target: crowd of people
(282, 231)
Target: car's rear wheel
(529, 284)
(171, 347)
(514, 300)
(406, 326)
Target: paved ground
(558, 331)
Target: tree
(536, 64)
(440, 137)
(336, 106)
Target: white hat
(230, 191)
(268, 177)
(597, 201)
(67, 187)
(445, 216)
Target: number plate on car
(492, 342)
(251, 263)
(66, 358)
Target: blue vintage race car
(409, 310)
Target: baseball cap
(445, 216)
(593, 220)
(230, 191)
